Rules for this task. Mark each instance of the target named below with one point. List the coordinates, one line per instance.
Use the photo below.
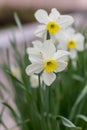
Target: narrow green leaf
(78, 78)
(14, 114)
(12, 76)
(4, 125)
(7, 56)
(20, 83)
(78, 100)
(3, 87)
(1, 114)
(20, 124)
(67, 122)
(17, 55)
(84, 118)
(17, 20)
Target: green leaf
(84, 118)
(3, 87)
(20, 124)
(17, 55)
(1, 114)
(78, 78)
(14, 114)
(4, 125)
(8, 56)
(13, 77)
(1, 121)
(78, 100)
(67, 122)
(21, 85)
(17, 20)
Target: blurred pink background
(61, 4)
(25, 8)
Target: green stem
(41, 104)
(48, 35)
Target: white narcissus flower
(34, 81)
(53, 22)
(49, 62)
(70, 40)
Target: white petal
(48, 49)
(62, 43)
(31, 50)
(41, 16)
(61, 55)
(34, 81)
(61, 66)
(80, 46)
(54, 15)
(62, 36)
(35, 58)
(48, 78)
(66, 32)
(79, 38)
(34, 68)
(40, 31)
(37, 44)
(62, 46)
(73, 54)
(35, 50)
(65, 21)
(70, 30)
(34, 54)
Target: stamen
(53, 27)
(50, 65)
(71, 44)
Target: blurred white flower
(53, 22)
(49, 62)
(15, 71)
(70, 40)
(34, 81)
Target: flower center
(71, 44)
(53, 27)
(50, 65)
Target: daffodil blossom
(49, 63)
(70, 40)
(34, 81)
(53, 22)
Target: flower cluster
(48, 58)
